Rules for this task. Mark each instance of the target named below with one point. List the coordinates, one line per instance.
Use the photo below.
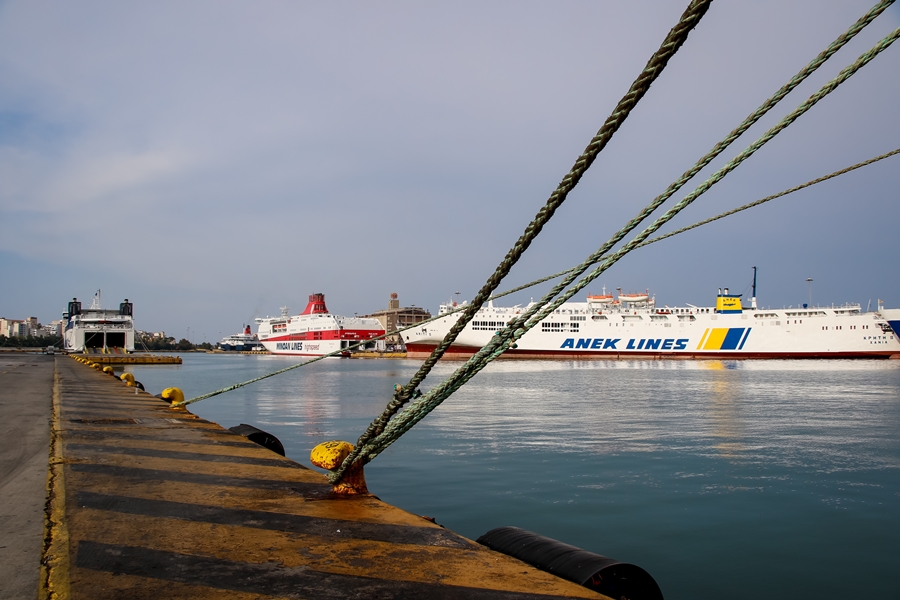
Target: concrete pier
(147, 501)
(26, 385)
(132, 359)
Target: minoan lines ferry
(633, 326)
(315, 331)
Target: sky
(214, 161)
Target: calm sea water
(723, 479)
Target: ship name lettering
(633, 344)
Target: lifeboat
(636, 297)
(600, 299)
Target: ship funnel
(247, 329)
(316, 305)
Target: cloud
(241, 155)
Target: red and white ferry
(315, 331)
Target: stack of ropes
(390, 425)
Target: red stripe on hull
(327, 335)
(464, 352)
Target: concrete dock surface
(147, 501)
(26, 387)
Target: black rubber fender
(594, 571)
(258, 436)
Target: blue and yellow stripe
(724, 338)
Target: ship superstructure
(634, 326)
(315, 331)
(241, 342)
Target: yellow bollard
(97, 366)
(109, 371)
(127, 378)
(329, 456)
(172, 395)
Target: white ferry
(633, 326)
(96, 329)
(241, 342)
(315, 331)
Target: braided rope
(768, 198)
(504, 339)
(839, 42)
(653, 69)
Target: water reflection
(661, 463)
(791, 412)
(724, 411)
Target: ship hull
(303, 348)
(581, 331)
(421, 351)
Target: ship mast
(753, 296)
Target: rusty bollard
(329, 456)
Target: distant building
(155, 335)
(21, 327)
(395, 318)
(53, 329)
(14, 328)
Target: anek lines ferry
(633, 326)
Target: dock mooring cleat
(329, 456)
(172, 395)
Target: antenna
(753, 296)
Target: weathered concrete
(152, 502)
(26, 385)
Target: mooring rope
(837, 44)
(547, 278)
(654, 68)
(768, 198)
(504, 339)
(378, 425)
